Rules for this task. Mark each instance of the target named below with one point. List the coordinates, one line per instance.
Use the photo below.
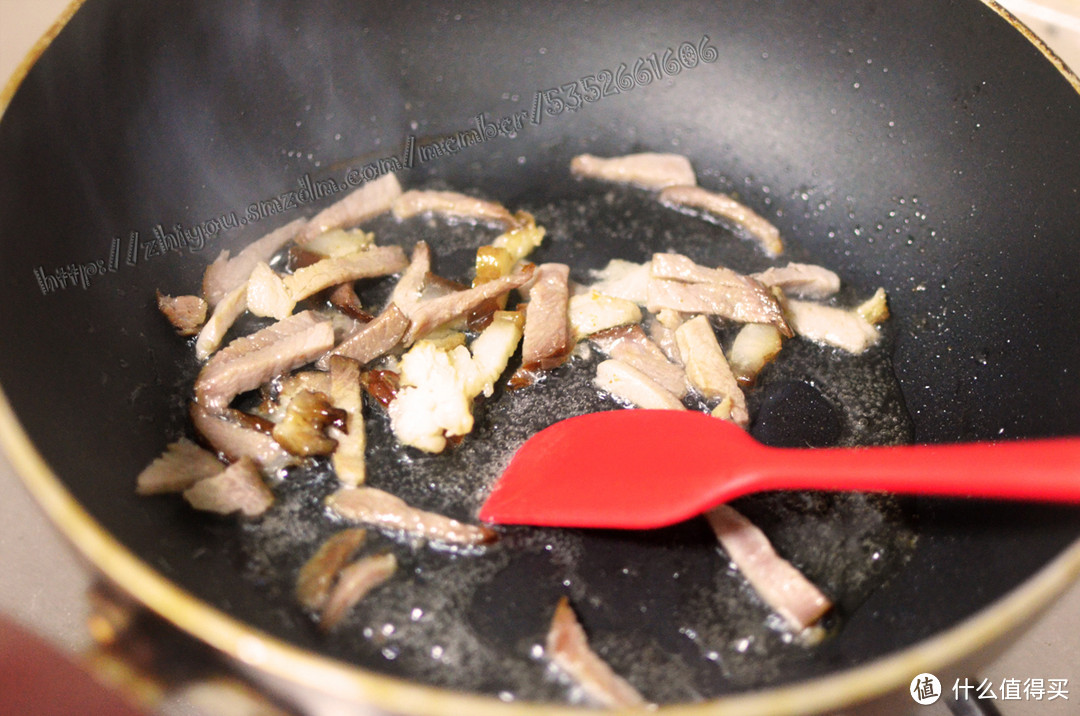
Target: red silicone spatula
(640, 469)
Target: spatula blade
(623, 469)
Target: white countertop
(43, 585)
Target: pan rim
(268, 655)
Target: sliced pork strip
(240, 488)
(624, 279)
(725, 208)
(267, 295)
(647, 170)
(248, 362)
(228, 309)
(367, 202)
(225, 274)
(376, 261)
(318, 574)
(630, 384)
(708, 369)
(439, 311)
(375, 508)
(568, 648)
(354, 582)
(372, 339)
(235, 441)
(592, 312)
(409, 288)
(303, 429)
(631, 346)
(841, 328)
(755, 346)
(547, 325)
(345, 393)
(661, 327)
(181, 465)
(779, 584)
(185, 313)
(454, 205)
(801, 280)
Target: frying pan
(928, 147)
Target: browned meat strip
(802, 280)
(181, 465)
(376, 261)
(235, 441)
(307, 416)
(186, 313)
(568, 648)
(319, 572)
(681, 285)
(454, 205)
(547, 326)
(429, 315)
(373, 339)
(353, 584)
(250, 361)
(410, 286)
(375, 508)
(708, 369)
(345, 299)
(367, 202)
(225, 274)
(239, 488)
(647, 170)
(630, 345)
(345, 392)
(778, 583)
(726, 208)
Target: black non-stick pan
(928, 147)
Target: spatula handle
(1044, 469)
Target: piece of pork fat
(567, 647)
(630, 384)
(240, 488)
(630, 345)
(851, 330)
(185, 313)
(317, 576)
(354, 582)
(226, 274)
(230, 438)
(272, 295)
(345, 393)
(708, 370)
(453, 205)
(724, 207)
(547, 343)
(431, 314)
(181, 465)
(681, 285)
(367, 202)
(624, 279)
(755, 346)
(250, 361)
(647, 170)
(228, 309)
(801, 280)
(776, 581)
(410, 287)
(375, 508)
(373, 339)
(592, 312)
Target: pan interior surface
(929, 152)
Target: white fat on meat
(567, 646)
(348, 458)
(624, 279)
(777, 582)
(847, 329)
(754, 347)
(801, 280)
(725, 208)
(708, 369)
(592, 312)
(647, 170)
(630, 384)
(225, 274)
